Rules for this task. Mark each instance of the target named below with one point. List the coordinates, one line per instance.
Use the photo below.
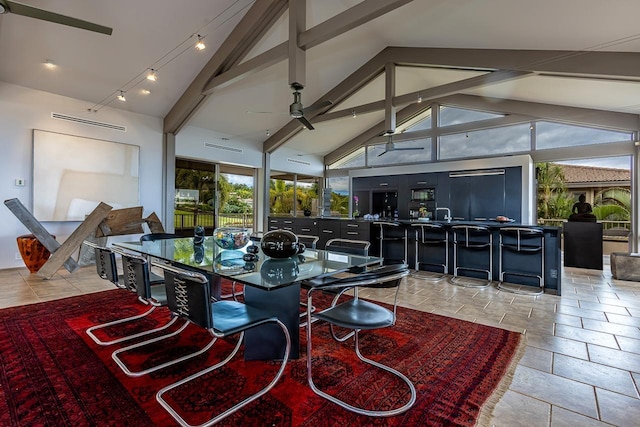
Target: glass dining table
(270, 283)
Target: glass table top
(256, 269)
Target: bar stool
(469, 239)
(526, 243)
(431, 235)
(390, 232)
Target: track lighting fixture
(353, 114)
(419, 98)
(121, 96)
(200, 45)
(152, 75)
(50, 64)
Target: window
(339, 195)
(421, 122)
(352, 160)
(380, 155)
(292, 194)
(453, 116)
(486, 142)
(553, 135)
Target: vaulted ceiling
(532, 59)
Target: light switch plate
(19, 182)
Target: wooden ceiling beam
(342, 91)
(258, 19)
(351, 18)
(428, 94)
(583, 63)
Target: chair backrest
(136, 275)
(347, 246)
(188, 295)
(158, 236)
(309, 241)
(106, 264)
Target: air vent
(88, 122)
(222, 147)
(300, 162)
(477, 173)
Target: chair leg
(361, 411)
(116, 354)
(98, 341)
(333, 303)
(237, 406)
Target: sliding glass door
(212, 195)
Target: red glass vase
(33, 253)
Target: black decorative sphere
(281, 244)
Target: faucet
(447, 216)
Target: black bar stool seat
(430, 235)
(526, 244)
(392, 232)
(469, 240)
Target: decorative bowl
(281, 244)
(231, 238)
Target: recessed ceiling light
(200, 44)
(152, 76)
(49, 64)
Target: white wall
(287, 160)
(21, 111)
(190, 143)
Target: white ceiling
(159, 34)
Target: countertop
(486, 223)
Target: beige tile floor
(582, 362)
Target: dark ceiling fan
(391, 146)
(297, 111)
(8, 6)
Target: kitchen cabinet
(382, 183)
(355, 230)
(422, 180)
(328, 229)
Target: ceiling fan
(297, 111)
(8, 6)
(391, 146)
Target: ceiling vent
(300, 162)
(222, 147)
(88, 122)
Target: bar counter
(528, 264)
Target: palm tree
(553, 199)
(281, 196)
(613, 204)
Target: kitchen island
(360, 229)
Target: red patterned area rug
(52, 373)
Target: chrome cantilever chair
(310, 242)
(358, 314)
(345, 246)
(136, 270)
(152, 237)
(148, 295)
(189, 297)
